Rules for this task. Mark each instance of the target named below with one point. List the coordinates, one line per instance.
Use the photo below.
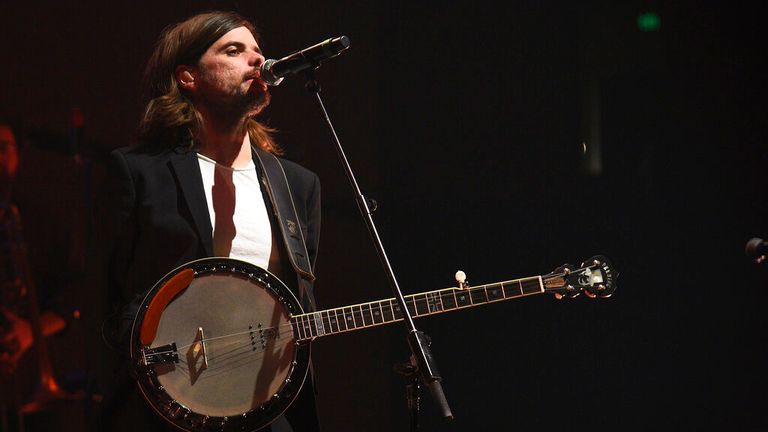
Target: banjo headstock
(595, 277)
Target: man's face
(228, 77)
(9, 158)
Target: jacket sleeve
(111, 244)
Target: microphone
(757, 249)
(273, 71)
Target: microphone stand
(424, 365)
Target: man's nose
(256, 59)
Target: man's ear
(185, 76)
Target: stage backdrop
(502, 140)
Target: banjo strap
(281, 197)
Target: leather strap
(285, 209)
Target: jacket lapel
(184, 162)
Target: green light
(648, 22)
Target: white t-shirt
(241, 226)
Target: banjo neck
(594, 277)
(355, 317)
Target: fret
(494, 293)
(520, 283)
(349, 318)
(463, 299)
(440, 297)
(333, 324)
(477, 295)
(386, 311)
(341, 323)
(420, 304)
(295, 326)
(411, 305)
(510, 291)
(530, 287)
(367, 316)
(317, 320)
(376, 310)
(358, 314)
(306, 326)
(448, 299)
(325, 320)
(433, 302)
(313, 325)
(300, 326)
(396, 307)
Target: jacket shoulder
(293, 168)
(142, 152)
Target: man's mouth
(256, 75)
(256, 81)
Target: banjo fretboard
(355, 317)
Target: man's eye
(233, 52)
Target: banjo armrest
(156, 307)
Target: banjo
(223, 345)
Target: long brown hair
(170, 117)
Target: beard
(235, 101)
(260, 100)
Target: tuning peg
(461, 279)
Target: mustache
(255, 74)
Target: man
(196, 187)
(16, 333)
(23, 310)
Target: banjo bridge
(164, 354)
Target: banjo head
(215, 348)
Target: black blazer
(153, 217)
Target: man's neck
(227, 144)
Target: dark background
(465, 121)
